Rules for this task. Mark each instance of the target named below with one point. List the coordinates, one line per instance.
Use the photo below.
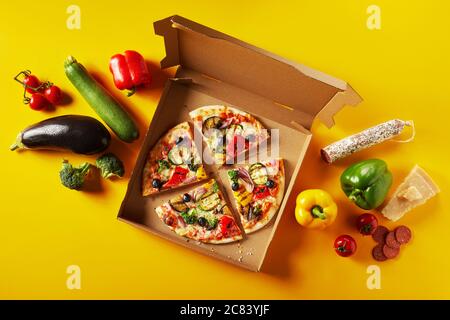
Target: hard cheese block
(415, 190)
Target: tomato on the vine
(53, 94)
(38, 101)
(31, 82)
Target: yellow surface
(401, 71)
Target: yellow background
(401, 71)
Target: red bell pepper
(129, 71)
(225, 224)
(178, 176)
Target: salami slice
(378, 254)
(402, 234)
(390, 252)
(391, 241)
(380, 234)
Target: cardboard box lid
(224, 58)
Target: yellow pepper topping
(201, 174)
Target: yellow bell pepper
(201, 174)
(315, 208)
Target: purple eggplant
(79, 134)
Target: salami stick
(364, 139)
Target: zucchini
(179, 155)
(210, 202)
(258, 173)
(101, 101)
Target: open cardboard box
(214, 68)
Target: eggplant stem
(17, 144)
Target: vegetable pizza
(202, 213)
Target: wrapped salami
(364, 139)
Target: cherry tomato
(31, 81)
(366, 224)
(53, 94)
(38, 101)
(345, 245)
(225, 223)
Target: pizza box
(216, 69)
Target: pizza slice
(201, 214)
(228, 132)
(258, 190)
(174, 161)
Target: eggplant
(79, 134)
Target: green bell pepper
(367, 183)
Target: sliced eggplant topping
(179, 155)
(258, 173)
(178, 204)
(210, 202)
(212, 123)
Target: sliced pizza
(228, 132)
(174, 161)
(201, 214)
(258, 190)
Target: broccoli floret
(110, 166)
(163, 165)
(73, 178)
(212, 222)
(190, 217)
(233, 174)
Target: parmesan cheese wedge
(415, 190)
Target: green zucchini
(210, 202)
(179, 155)
(101, 101)
(258, 173)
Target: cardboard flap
(221, 57)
